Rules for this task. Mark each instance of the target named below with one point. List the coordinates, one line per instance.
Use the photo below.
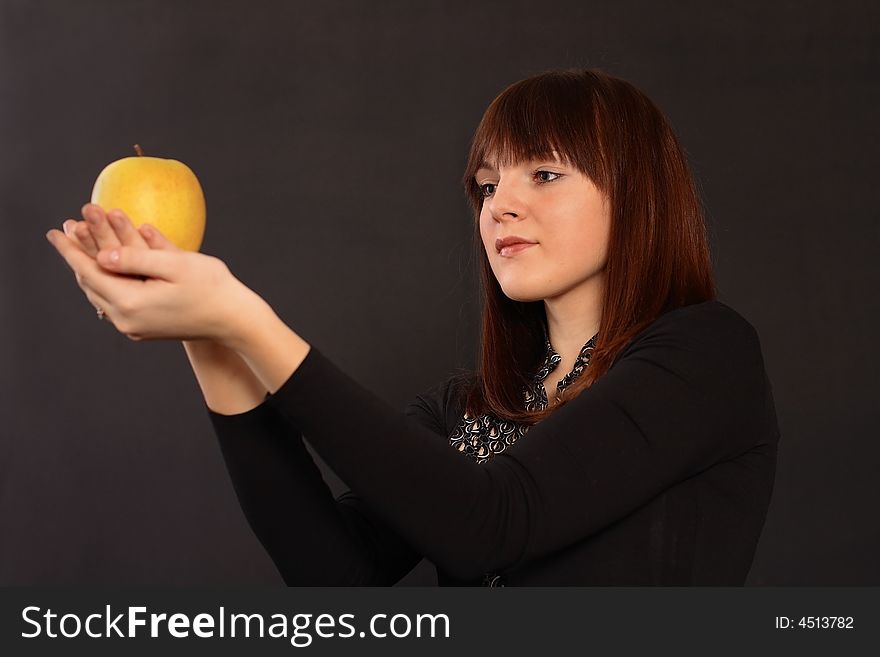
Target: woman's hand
(115, 231)
(160, 292)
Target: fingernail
(50, 237)
(114, 256)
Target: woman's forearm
(268, 347)
(231, 384)
(228, 384)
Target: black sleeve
(313, 539)
(688, 392)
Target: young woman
(619, 428)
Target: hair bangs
(541, 118)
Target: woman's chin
(520, 293)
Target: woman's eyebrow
(553, 160)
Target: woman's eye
(542, 174)
(487, 189)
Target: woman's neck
(572, 319)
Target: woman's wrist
(242, 309)
(271, 349)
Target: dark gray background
(330, 138)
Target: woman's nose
(506, 203)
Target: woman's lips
(513, 249)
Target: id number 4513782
(814, 623)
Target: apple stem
(137, 149)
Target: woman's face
(558, 208)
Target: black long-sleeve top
(660, 473)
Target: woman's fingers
(69, 227)
(85, 239)
(90, 276)
(125, 231)
(114, 228)
(102, 232)
(157, 240)
(97, 301)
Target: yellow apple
(163, 193)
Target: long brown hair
(658, 252)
